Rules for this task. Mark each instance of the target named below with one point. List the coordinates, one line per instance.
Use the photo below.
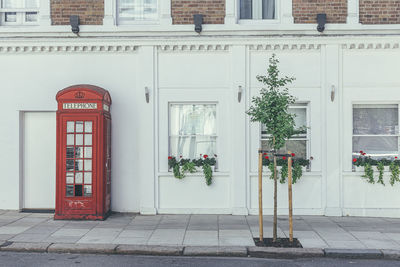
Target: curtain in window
(246, 9)
(268, 9)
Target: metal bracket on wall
(333, 91)
(147, 94)
(240, 92)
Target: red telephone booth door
(79, 164)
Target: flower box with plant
(369, 165)
(299, 167)
(180, 167)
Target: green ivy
(271, 169)
(380, 168)
(297, 172)
(189, 167)
(369, 173)
(395, 171)
(207, 173)
(177, 172)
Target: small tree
(270, 108)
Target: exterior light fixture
(321, 19)
(147, 94)
(240, 92)
(333, 91)
(198, 21)
(74, 22)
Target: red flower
(284, 158)
(266, 157)
(180, 156)
(205, 156)
(395, 157)
(215, 155)
(361, 152)
(293, 154)
(169, 157)
(354, 160)
(265, 154)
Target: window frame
(307, 137)
(260, 21)
(137, 22)
(357, 154)
(170, 104)
(20, 14)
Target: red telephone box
(83, 185)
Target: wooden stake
(290, 198)
(275, 226)
(260, 207)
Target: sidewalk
(212, 234)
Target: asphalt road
(61, 260)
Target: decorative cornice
(285, 47)
(371, 46)
(66, 48)
(197, 47)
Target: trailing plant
(369, 173)
(182, 166)
(395, 171)
(297, 172)
(380, 168)
(284, 174)
(271, 169)
(207, 173)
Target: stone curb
(82, 248)
(353, 253)
(256, 252)
(285, 253)
(390, 254)
(150, 250)
(215, 251)
(24, 247)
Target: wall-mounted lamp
(333, 91)
(147, 94)
(240, 91)
(198, 21)
(74, 22)
(321, 19)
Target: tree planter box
(198, 169)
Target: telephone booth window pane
(88, 190)
(88, 152)
(78, 165)
(70, 178)
(78, 178)
(70, 126)
(79, 152)
(88, 126)
(70, 165)
(70, 152)
(88, 178)
(88, 140)
(88, 165)
(78, 190)
(79, 126)
(70, 139)
(79, 139)
(70, 191)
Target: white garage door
(39, 160)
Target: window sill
(258, 21)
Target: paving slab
(82, 248)
(235, 238)
(8, 230)
(28, 238)
(71, 232)
(150, 250)
(353, 253)
(201, 238)
(346, 244)
(173, 237)
(215, 251)
(25, 247)
(284, 253)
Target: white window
(257, 9)
(192, 130)
(299, 143)
(130, 11)
(19, 12)
(376, 130)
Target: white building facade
(349, 69)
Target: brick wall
(305, 11)
(380, 11)
(183, 10)
(90, 12)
